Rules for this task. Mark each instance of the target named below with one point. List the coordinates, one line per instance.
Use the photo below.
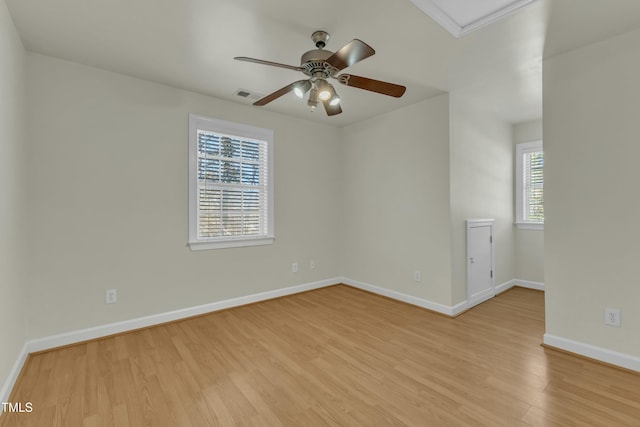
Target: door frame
(490, 293)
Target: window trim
(237, 129)
(522, 149)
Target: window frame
(521, 150)
(199, 122)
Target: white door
(480, 282)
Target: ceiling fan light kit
(334, 100)
(324, 89)
(313, 99)
(301, 88)
(320, 65)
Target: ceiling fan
(320, 65)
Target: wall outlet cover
(111, 296)
(612, 317)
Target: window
(230, 184)
(530, 185)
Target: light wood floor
(334, 356)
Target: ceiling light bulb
(335, 100)
(301, 88)
(324, 95)
(324, 90)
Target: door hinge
(491, 273)
(490, 239)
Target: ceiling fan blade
(331, 110)
(354, 51)
(366, 83)
(273, 64)
(275, 95)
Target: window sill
(530, 225)
(232, 243)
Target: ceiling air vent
(246, 94)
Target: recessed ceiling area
(460, 17)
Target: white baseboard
(623, 360)
(461, 307)
(73, 337)
(521, 283)
(410, 299)
(5, 391)
(538, 286)
(481, 297)
(502, 287)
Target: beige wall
(591, 127)
(481, 176)
(108, 200)
(12, 200)
(108, 163)
(529, 243)
(395, 206)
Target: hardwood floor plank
(334, 356)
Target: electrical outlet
(111, 296)
(417, 276)
(612, 317)
(312, 265)
(294, 267)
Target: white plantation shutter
(232, 204)
(533, 186)
(530, 183)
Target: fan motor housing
(314, 61)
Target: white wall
(108, 161)
(395, 200)
(481, 176)
(12, 199)
(592, 204)
(529, 248)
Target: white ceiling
(190, 44)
